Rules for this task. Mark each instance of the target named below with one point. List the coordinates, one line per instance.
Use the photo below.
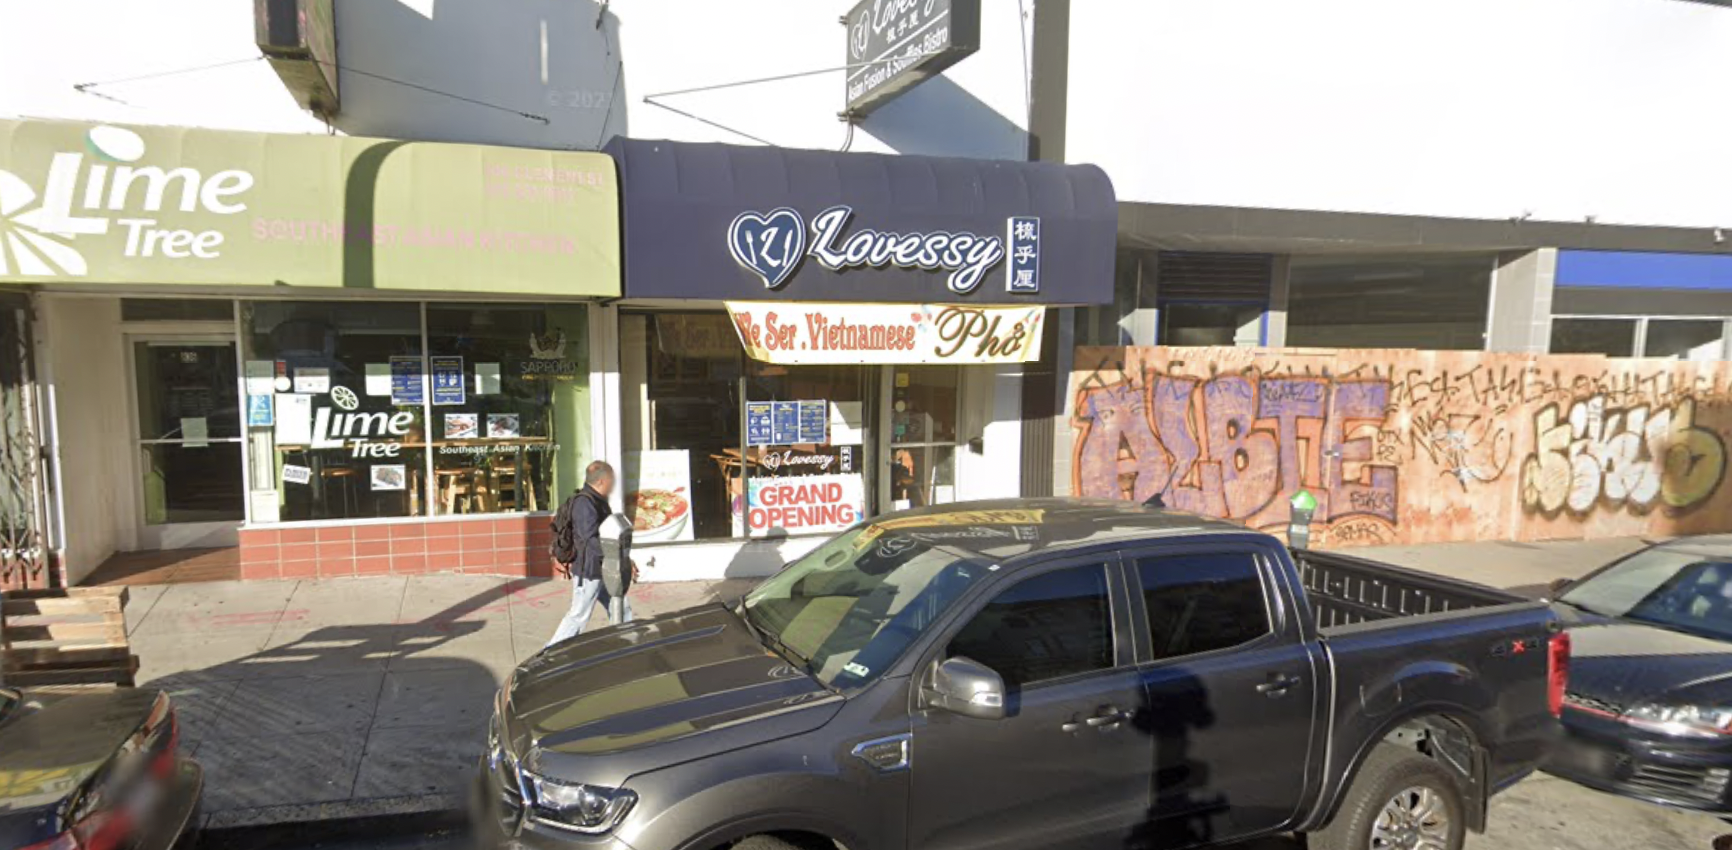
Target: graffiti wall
(1404, 446)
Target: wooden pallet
(70, 636)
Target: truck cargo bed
(1346, 591)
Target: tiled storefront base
(503, 546)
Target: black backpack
(564, 548)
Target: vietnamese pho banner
(830, 334)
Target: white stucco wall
(1476, 108)
(82, 347)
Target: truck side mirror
(966, 687)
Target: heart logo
(770, 245)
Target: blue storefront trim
(1640, 270)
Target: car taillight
(1557, 672)
(162, 765)
(63, 841)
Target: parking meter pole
(1299, 527)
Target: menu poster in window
(378, 379)
(261, 412)
(294, 419)
(462, 426)
(312, 379)
(847, 422)
(804, 505)
(487, 379)
(758, 423)
(658, 495)
(504, 426)
(406, 380)
(261, 377)
(814, 422)
(785, 423)
(448, 386)
(390, 476)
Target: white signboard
(804, 504)
(658, 497)
(813, 333)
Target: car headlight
(1691, 721)
(590, 809)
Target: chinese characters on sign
(1023, 274)
(895, 44)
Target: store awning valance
(104, 204)
(722, 222)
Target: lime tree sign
(94, 204)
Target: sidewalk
(319, 699)
(311, 700)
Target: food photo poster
(658, 497)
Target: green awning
(103, 204)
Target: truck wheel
(1400, 800)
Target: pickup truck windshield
(1670, 589)
(850, 608)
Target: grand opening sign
(829, 334)
(805, 503)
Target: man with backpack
(592, 545)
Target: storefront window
(805, 470)
(510, 405)
(1611, 337)
(345, 400)
(1427, 302)
(1685, 339)
(719, 446)
(335, 418)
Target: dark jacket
(586, 516)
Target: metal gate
(24, 560)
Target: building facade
(1480, 177)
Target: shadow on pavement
(326, 715)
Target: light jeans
(584, 594)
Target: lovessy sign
(773, 245)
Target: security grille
(24, 561)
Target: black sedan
(1649, 706)
(93, 770)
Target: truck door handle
(1109, 718)
(1278, 685)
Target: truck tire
(763, 842)
(1401, 800)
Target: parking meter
(1299, 527)
(615, 534)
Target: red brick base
(504, 546)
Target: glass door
(188, 442)
(923, 413)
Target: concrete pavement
(307, 700)
(317, 699)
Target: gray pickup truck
(1036, 674)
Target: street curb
(348, 819)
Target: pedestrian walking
(592, 545)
